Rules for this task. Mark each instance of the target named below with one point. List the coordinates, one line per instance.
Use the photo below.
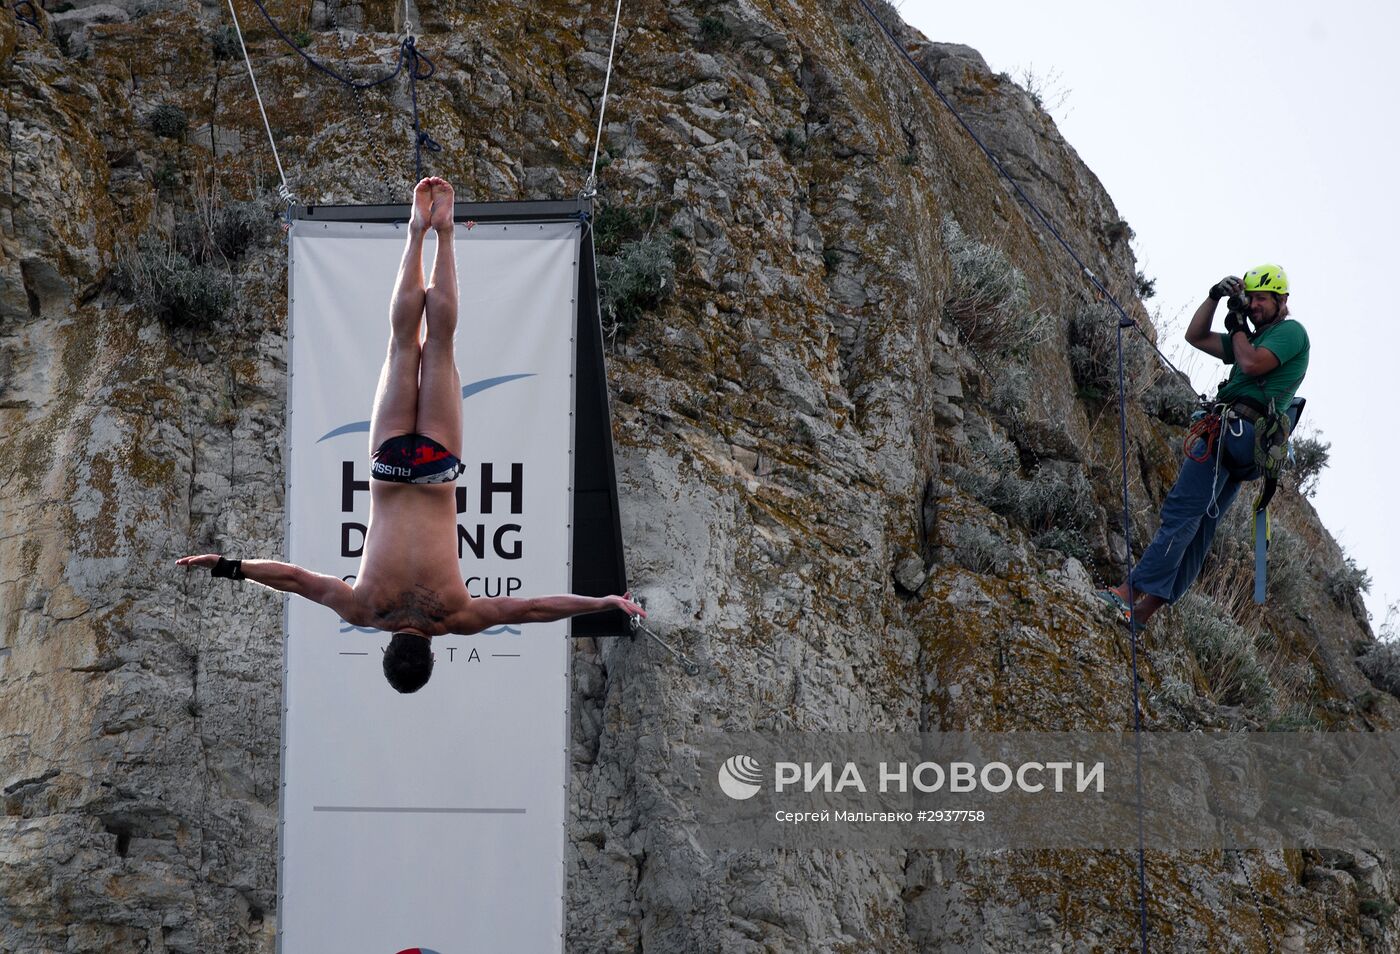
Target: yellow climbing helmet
(1269, 278)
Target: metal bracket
(691, 667)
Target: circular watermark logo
(739, 777)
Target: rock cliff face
(867, 486)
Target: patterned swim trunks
(415, 459)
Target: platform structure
(436, 820)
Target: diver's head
(408, 662)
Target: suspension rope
(409, 56)
(590, 187)
(1124, 321)
(283, 191)
(421, 140)
(1133, 639)
(418, 65)
(369, 84)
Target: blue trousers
(1202, 494)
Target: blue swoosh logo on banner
(347, 628)
(476, 387)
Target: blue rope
(1132, 638)
(31, 18)
(1124, 321)
(409, 56)
(422, 140)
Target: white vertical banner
(433, 820)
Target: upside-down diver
(409, 582)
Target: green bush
(1052, 501)
(1010, 391)
(166, 177)
(223, 232)
(792, 143)
(1225, 653)
(989, 303)
(1309, 459)
(223, 43)
(1069, 542)
(713, 32)
(637, 279)
(1169, 399)
(1289, 579)
(1346, 582)
(162, 282)
(981, 551)
(1381, 664)
(1093, 352)
(1117, 231)
(1229, 575)
(888, 14)
(615, 225)
(1054, 504)
(168, 121)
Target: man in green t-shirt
(1269, 365)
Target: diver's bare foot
(444, 204)
(422, 206)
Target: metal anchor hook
(691, 667)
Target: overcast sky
(1229, 135)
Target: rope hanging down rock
(283, 190)
(418, 65)
(590, 186)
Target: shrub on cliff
(168, 121)
(636, 265)
(162, 282)
(1054, 504)
(1381, 664)
(222, 232)
(1310, 458)
(637, 279)
(1225, 652)
(989, 303)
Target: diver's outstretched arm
(329, 591)
(486, 611)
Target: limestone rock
(789, 426)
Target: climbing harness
(1272, 449)
(1272, 429)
